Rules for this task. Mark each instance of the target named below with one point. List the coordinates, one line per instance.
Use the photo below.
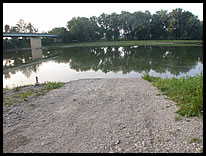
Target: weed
(178, 118)
(187, 92)
(195, 140)
(17, 88)
(23, 95)
(5, 89)
(31, 104)
(52, 85)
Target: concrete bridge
(35, 38)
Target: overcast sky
(46, 16)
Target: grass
(178, 118)
(20, 94)
(52, 85)
(187, 92)
(195, 140)
(131, 43)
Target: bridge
(35, 38)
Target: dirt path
(101, 115)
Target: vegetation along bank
(187, 92)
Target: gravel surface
(101, 116)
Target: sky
(46, 16)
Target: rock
(117, 142)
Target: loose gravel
(101, 116)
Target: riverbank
(101, 116)
(101, 43)
(131, 43)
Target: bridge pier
(35, 39)
(36, 47)
(35, 42)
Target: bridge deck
(29, 35)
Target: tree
(184, 25)
(103, 22)
(61, 31)
(6, 28)
(21, 26)
(126, 20)
(79, 28)
(141, 26)
(114, 25)
(159, 25)
(94, 29)
(30, 28)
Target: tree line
(162, 25)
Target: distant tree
(94, 29)
(184, 25)
(30, 28)
(114, 25)
(80, 28)
(159, 25)
(21, 26)
(141, 26)
(126, 20)
(6, 28)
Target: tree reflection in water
(140, 59)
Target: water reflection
(99, 61)
(126, 59)
(36, 53)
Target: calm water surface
(66, 64)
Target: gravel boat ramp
(124, 115)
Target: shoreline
(119, 43)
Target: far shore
(130, 43)
(118, 43)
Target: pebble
(117, 142)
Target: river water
(66, 64)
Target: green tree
(94, 29)
(184, 25)
(105, 30)
(114, 25)
(30, 28)
(21, 26)
(61, 31)
(159, 25)
(126, 20)
(141, 26)
(79, 28)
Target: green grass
(178, 118)
(195, 140)
(52, 85)
(131, 43)
(24, 95)
(187, 92)
(19, 94)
